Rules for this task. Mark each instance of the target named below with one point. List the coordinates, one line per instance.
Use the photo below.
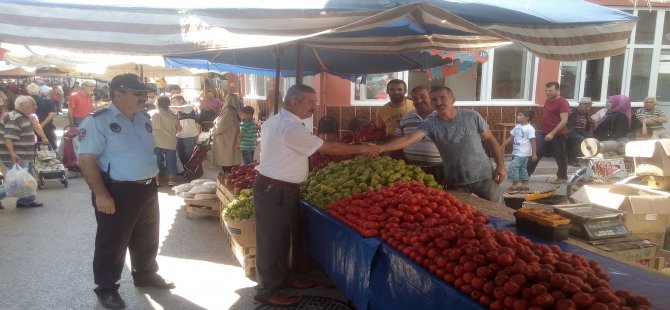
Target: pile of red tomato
(497, 268)
(410, 205)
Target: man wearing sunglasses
(116, 156)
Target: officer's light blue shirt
(124, 147)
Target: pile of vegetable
(366, 133)
(409, 205)
(241, 208)
(243, 176)
(497, 268)
(502, 270)
(361, 174)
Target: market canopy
(561, 30)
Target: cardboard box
(652, 157)
(646, 209)
(243, 232)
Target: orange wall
(547, 71)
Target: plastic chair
(328, 125)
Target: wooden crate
(203, 207)
(246, 256)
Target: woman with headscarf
(616, 122)
(223, 134)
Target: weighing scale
(592, 222)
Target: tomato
(504, 260)
(543, 300)
(511, 288)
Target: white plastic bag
(19, 183)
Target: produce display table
(375, 276)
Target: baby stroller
(67, 149)
(48, 167)
(193, 168)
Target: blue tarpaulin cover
(373, 275)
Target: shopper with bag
(17, 148)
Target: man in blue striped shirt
(423, 153)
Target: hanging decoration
(461, 61)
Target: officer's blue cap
(128, 80)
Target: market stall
(373, 275)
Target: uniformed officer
(116, 156)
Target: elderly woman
(616, 122)
(652, 119)
(224, 133)
(165, 126)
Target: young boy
(246, 140)
(523, 135)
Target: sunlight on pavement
(208, 285)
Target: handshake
(371, 149)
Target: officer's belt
(143, 182)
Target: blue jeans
(166, 161)
(78, 120)
(247, 156)
(24, 164)
(185, 148)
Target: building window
(615, 78)
(635, 73)
(644, 31)
(255, 86)
(663, 93)
(370, 89)
(639, 77)
(569, 79)
(593, 78)
(512, 73)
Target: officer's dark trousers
(277, 223)
(134, 226)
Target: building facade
(509, 78)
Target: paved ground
(46, 255)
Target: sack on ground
(19, 183)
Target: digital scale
(592, 222)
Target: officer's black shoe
(153, 280)
(111, 300)
(33, 204)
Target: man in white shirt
(285, 146)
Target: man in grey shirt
(458, 134)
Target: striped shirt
(164, 129)
(248, 131)
(642, 113)
(424, 152)
(16, 127)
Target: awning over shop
(562, 30)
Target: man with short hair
(580, 127)
(285, 147)
(423, 153)
(174, 89)
(458, 134)
(553, 132)
(388, 116)
(80, 104)
(116, 157)
(653, 118)
(187, 138)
